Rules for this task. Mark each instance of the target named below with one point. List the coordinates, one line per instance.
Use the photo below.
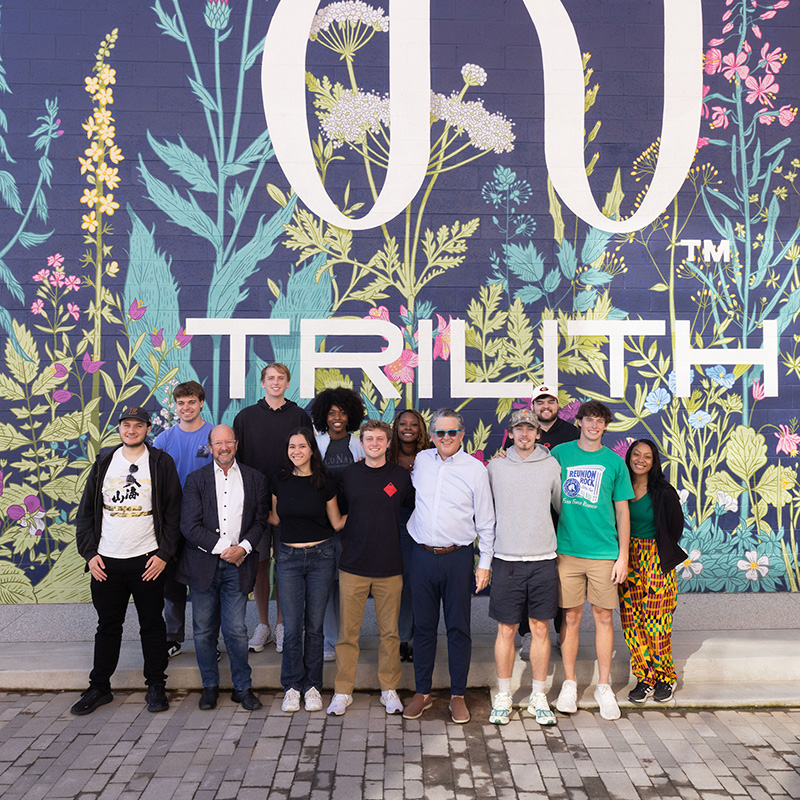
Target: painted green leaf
(66, 487)
(11, 438)
(69, 426)
(615, 197)
(183, 161)
(723, 481)
(24, 370)
(15, 586)
(9, 389)
(775, 485)
(745, 452)
(555, 212)
(67, 581)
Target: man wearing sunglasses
(128, 528)
(453, 507)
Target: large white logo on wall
(284, 93)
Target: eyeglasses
(228, 442)
(452, 433)
(132, 470)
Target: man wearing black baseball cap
(128, 528)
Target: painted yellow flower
(105, 97)
(106, 133)
(107, 204)
(108, 75)
(103, 116)
(90, 126)
(89, 222)
(89, 197)
(92, 85)
(86, 165)
(112, 268)
(95, 152)
(115, 154)
(108, 175)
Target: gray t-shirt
(338, 455)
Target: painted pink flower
(772, 62)
(136, 310)
(157, 337)
(712, 60)
(762, 89)
(381, 312)
(727, 15)
(89, 364)
(786, 116)
(621, 446)
(756, 31)
(735, 66)
(15, 512)
(765, 118)
(74, 311)
(402, 370)
(781, 4)
(787, 441)
(719, 117)
(728, 28)
(61, 395)
(746, 47)
(37, 307)
(767, 15)
(706, 90)
(182, 339)
(759, 393)
(60, 370)
(72, 282)
(715, 42)
(57, 279)
(702, 142)
(403, 310)
(441, 347)
(479, 454)
(42, 275)
(55, 261)
(32, 505)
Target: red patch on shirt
(390, 489)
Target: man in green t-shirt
(593, 537)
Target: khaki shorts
(580, 579)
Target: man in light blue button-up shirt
(453, 508)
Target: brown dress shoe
(458, 709)
(419, 703)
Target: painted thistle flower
(217, 14)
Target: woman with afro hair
(336, 413)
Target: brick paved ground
(122, 752)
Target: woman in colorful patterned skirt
(649, 596)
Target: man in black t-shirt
(371, 561)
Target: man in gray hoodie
(525, 484)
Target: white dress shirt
(453, 503)
(230, 505)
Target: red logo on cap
(390, 489)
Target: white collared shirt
(230, 505)
(453, 503)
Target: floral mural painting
(158, 199)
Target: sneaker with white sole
(607, 701)
(291, 700)
(525, 649)
(173, 649)
(392, 702)
(313, 699)
(329, 654)
(339, 704)
(540, 708)
(261, 638)
(279, 637)
(567, 702)
(663, 691)
(501, 708)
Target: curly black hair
(346, 399)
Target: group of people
(396, 513)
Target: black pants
(110, 598)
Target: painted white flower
(727, 501)
(691, 566)
(683, 495)
(473, 75)
(352, 11)
(486, 131)
(354, 114)
(754, 567)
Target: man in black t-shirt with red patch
(371, 561)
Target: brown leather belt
(440, 551)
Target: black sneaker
(90, 700)
(173, 649)
(663, 692)
(156, 698)
(641, 692)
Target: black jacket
(166, 505)
(669, 529)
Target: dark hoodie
(262, 433)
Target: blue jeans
(305, 580)
(223, 602)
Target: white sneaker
(567, 702)
(313, 700)
(329, 654)
(502, 707)
(392, 702)
(261, 638)
(279, 637)
(291, 700)
(607, 700)
(525, 650)
(540, 708)
(339, 704)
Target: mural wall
(149, 235)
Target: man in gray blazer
(223, 517)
